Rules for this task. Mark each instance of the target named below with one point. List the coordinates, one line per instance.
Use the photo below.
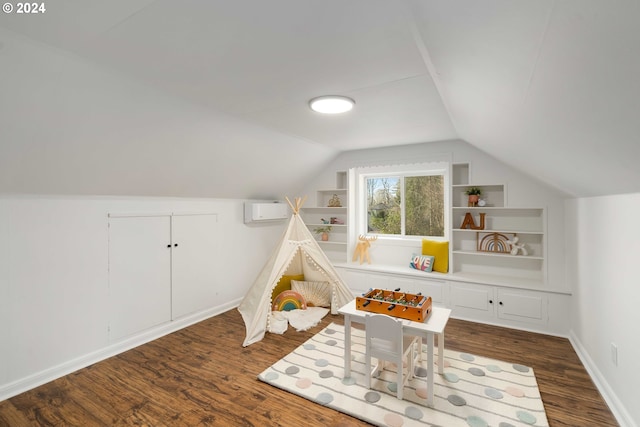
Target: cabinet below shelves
(360, 281)
(494, 303)
(524, 304)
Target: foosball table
(414, 307)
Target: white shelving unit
(314, 215)
(482, 286)
(528, 224)
(492, 287)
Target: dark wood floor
(203, 376)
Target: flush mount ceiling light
(331, 104)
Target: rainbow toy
(289, 300)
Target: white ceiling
(546, 86)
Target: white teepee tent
(297, 253)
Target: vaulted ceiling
(213, 92)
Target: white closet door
(195, 253)
(139, 274)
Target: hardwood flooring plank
(202, 376)
(12, 416)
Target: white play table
(435, 324)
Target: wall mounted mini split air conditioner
(256, 212)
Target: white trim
(417, 168)
(39, 378)
(157, 213)
(615, 405)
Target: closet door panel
(195, 254)
(139, 274)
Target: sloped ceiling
(209, 98)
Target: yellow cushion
(284, 284)
(440, 251)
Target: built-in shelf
(331, 242)
(325, 208)
(335, 226)
(321, 214)
(498, 254)
(527, 224)
(467, 230)
(485, 281)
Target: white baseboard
(617, 408)
(37, 379)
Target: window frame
(359, 189)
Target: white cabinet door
(522, 305)
(472, 301)
(139, 274)
(195, 244)
(402, 283)
(360, 283)
(436, 289)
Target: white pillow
(316, 294)
(278, 323)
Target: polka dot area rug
(473, 391)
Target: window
(405, 202)
(405, 205)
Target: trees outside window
(406, 205)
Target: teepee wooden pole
(298, 203)
(291, 205)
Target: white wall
(604, 238)
(54, 278)
(68, 126)
(521, 190)
(593, 246)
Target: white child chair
(386, 342)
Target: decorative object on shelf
(494, 242)
(324, 221)
(335, 202)
(337, 221)
(422, 262)
(323, 232)
(362, 248)
(482, 203)
(517, 247)
(469, 222)
(474, 194)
